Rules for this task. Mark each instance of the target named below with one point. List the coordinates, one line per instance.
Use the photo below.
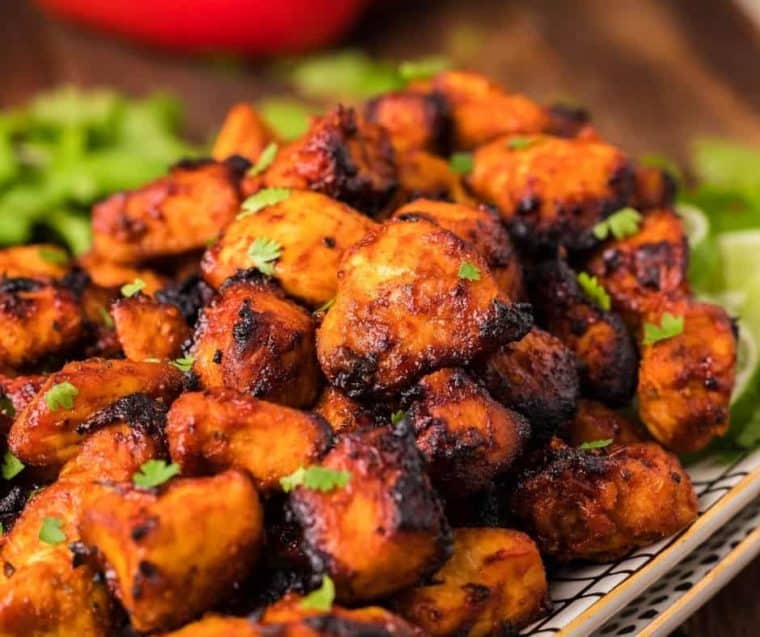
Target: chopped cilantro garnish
(325, 306)
(263, 253)
(621, 224)
(518, 143)
(397, 417)
(184, 364)
(61, 396)
(155, 472)
(461, 163)
(315, 478)
(12, 466)
(265, 159)
(6, 407)
(594, 290)
(51, 531)
(56, 257)
(469, 272)
(130, 289)
(669, 327)
(595, 444)
(424, 68)
(106, 317)
(322, 598)
(262, 199)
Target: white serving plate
(588, 597)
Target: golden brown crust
(494, 583)
(175, 553)
(107, 274)
(312, 230)
(343, 158)
(685, 381)
(551, 190)
(252, 339)
(481, 228)
(222, 428)
(385, 529)
(594, 421)
(598, 505)
(244, 133)
(399, 308)
(466, 437)
(169, 216)
(537, 377)
(343, 413)
(48, 437)
(148, 329)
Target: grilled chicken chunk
(423, 175)
(252, 339)
(172, 554)
(595, 422)
(108, 274)
(598, 505)
(311, 231)
(384, 529)
(493, 584)
(244, 133)
(343, 413)
(38, 261)
(148, 329)
(402, 291)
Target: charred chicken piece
(600, 340)
(343, 413)
(537, 377)
(493, 584)
(343, 158)
(53, 425)
(222, 428)
(655, 188)
(552, 191)
(482, 229)
(110, 275)
(598, 505)
(38, 261)
(402, 293)
(250, 338)
(384, 529)
(148, 329)
(244, 133)
(422, 175)
(172, 215)
(595, 421)
(685, 381)
(175, 553)
(312, 231)
(466, 437)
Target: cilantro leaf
(469, 272)
(61, 396)
(6, 407)
(51, 531)
(154, 472)
(315, 478)
(184, 364)
(519, 142)
(265, 159)
(461, 163)
(106, 317)
(322, 598)
(288, 117)
(423, 69)
(325, 306)
(263, 253)
(54, 256)
(594, 290)
(12, 466)
(2, 529)
(397, 417)
(262, 199)
(595, 444)
(130, 289)
(623, 223)
(670, 326)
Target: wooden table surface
(655, 73)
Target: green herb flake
(263, 254)
(61, 396)
(2, 529)
(130, 289)
(595, 444)
(105, 317)
(424, 68)
(262, 199)
(315, 478)
(518, 143)
(469, 272)
(325, 306)
(670, 326)
(6, 407)
(12, 466)
(154, 473)
(51, 531)
(265, 159)
(461, 163)
(397, 417)
(322, 598)
(594, 290)
(621, 224)
(56, 257)
(184, 364)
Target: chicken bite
(147, 329)
(552, 191)
(343, 413)
(343, 158)
(222, 428)
(250, 338)
(466, 437)
(685, 381)
(244, 133)
(422, 175)
(110, 275)
(537, 377)
(311, 230)
(384, 529)
(494, 583)
(402, 293)
(171, 215)
(598, 505)
(173, 554)
(38, 261)
(594, 422)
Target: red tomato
(239, 26)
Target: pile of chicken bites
(368, 382)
